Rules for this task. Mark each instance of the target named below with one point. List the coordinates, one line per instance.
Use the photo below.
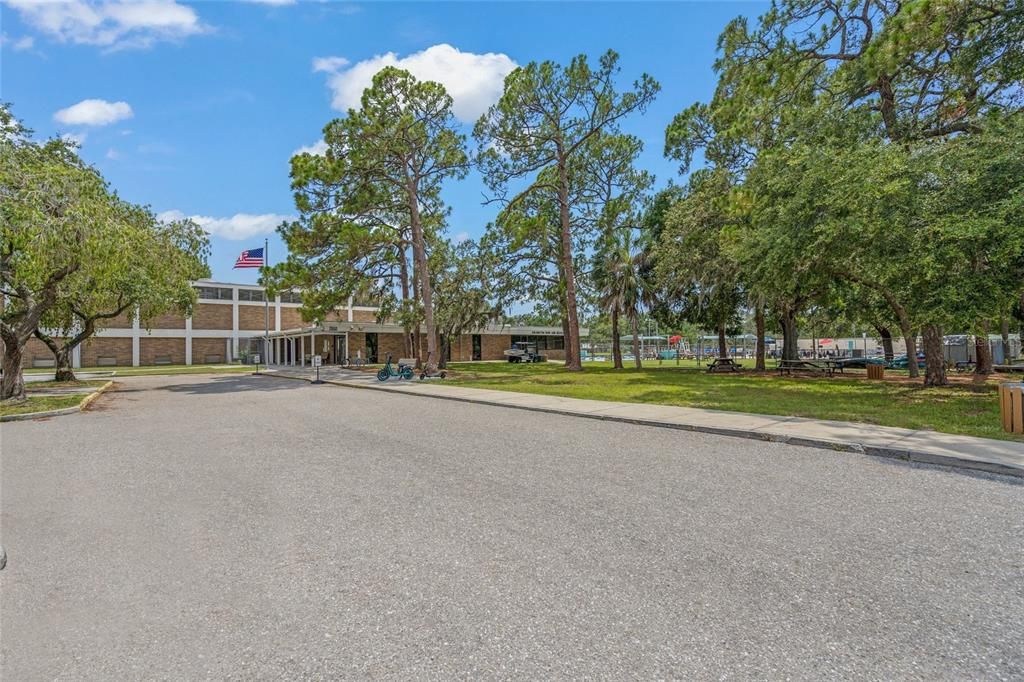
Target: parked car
(862, 363)
(900, 361)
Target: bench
(213, 359)
(106, 361)
(965, 366)
(411, 362)
(790, 366)
(724, 365)
(43, 361)
(162, 360)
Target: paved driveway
(253, 527)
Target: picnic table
(724, 365)
(965, 365)
(790, 366)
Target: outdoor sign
(317, 360)
(256, 359)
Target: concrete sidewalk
(929, 447)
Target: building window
(215, 293)
(251, 295)
(543, 342)
(291, 297)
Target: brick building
(231, 318)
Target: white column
(136, 330)
(227, 350)
(76, 356)
(277, 313)
(302, 351)
(188, 340)
(234, 322)
(349, 308)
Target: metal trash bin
(1011, 406)
(876, 371)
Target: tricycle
(388, 371)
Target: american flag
(253, 258)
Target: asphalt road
(252, 527)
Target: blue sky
(195, 108)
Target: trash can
(1011, 406)
(876, 371)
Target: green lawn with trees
(963, 408)
(859, 168)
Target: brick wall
(119, 322)
(96, 347)
(290, 318)
(212, 316)
(363, 315)
(356, 342)
(152, 347)
(493, 346)
(253, 317)
(169, 321)
(36, 350)
(203, 347)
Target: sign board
(255, 358)
(317, 360)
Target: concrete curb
(85, 402)
(886, 452)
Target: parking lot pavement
(250, 527)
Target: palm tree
(618, 276)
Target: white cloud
(329, 64)
(317, 148)
(238, 226)
(94, 112)
(17, 44)
(475, 81)
(114, 24)
(77, 139)
(271, 2)
(113, 154)
(461, 237)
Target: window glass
(214, 293)
(250, 295)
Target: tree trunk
(886, 336)
(572, 342)
(935, 363)
(12, 386)
(62, 355)
(566, 348)
(982, 351)
(759, 345)
(442, 362)
(634, 323)
(419, 251)
(790, 349)
(723, 346)
(403, 274)
(616, 343)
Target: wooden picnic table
(724, 365)
(790, 366)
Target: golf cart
(524, 351)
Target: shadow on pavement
(221, 384)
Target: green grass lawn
(36, 386)
(41, 404)
(963, 408)
(157, 369)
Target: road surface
(255, 527)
